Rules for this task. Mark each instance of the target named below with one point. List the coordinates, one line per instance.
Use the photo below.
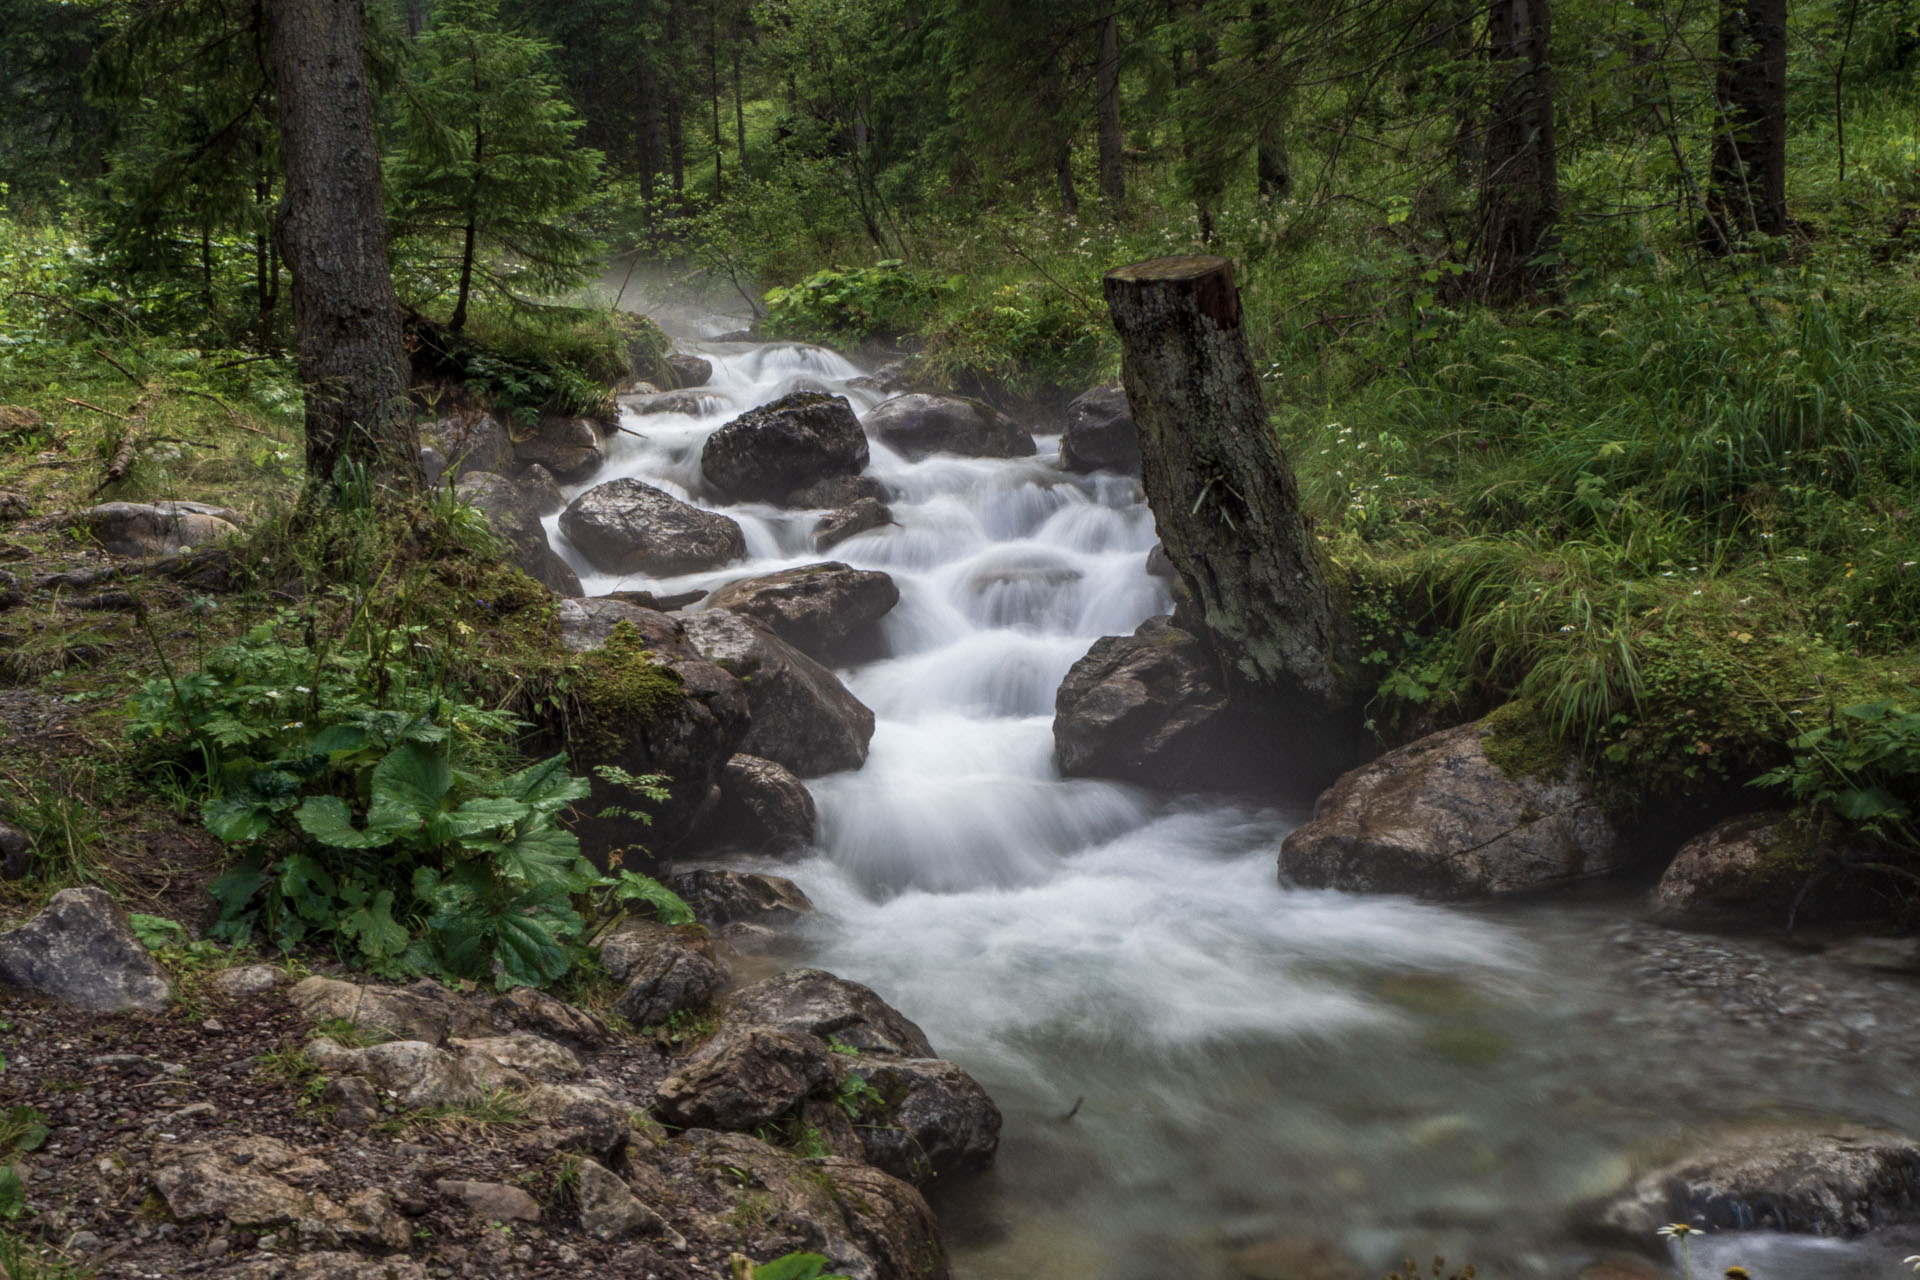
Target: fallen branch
(125, 372)
(230, 411)
(124, 452)
(84, 404)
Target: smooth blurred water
(1254, 1064)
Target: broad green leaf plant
(372, 814)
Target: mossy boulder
(1461, 814)
(648, 703)
(1754, 866)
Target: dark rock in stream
(816, 608)
(817, 1003)
(754, 1076)
(1439, 819)
(802, 716)
(1148, 709)
(917, 426)
(1100, 434)
(838, 491)
(1754, 867)
(730, 897)
(856, 518)
(798, 440)
(762, 807)
(1830, 1180)
(925, 1119)
(690, 370)
(568, 447)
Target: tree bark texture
(1113, 174)
(331, 229)
(1747, 191)
(1520, 184)
(1221, 489)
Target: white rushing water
(1260, 1067)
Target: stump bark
(1219, 484)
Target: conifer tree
(487, 173)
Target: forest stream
(1201, 1068)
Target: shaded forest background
(1591, 328)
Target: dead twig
(125, 372)
(85, 404)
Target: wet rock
(608, 1208)
(1439, 819)
(663, 968)
(16, 852)
(249, 981)
(465, 443)
(581, 1118)
(1836, 1180)
(767, 453)
(1148, 708)
(1750, 866)
(870, 1225)
(751, 1077)
(568, 447)
(628, 526)
(690, 370)
(856, 518)
(81, 952)
(1161, 565)
(689, 738)
(1100, 435)
(800, 715)
(820, 1004)
(513, 512)
(930, 1119)
(691, 403)
(890, 379)
(728, 897)
(494, 1201)
(817, 608)
(917, 426)
(424, 1011)
(158, 528)
(763, 806)
(838, 491)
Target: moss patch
(620, 685)
(1520, 744)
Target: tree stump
(1222, 491)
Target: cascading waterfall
(1259, 1067)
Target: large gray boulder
(1147, 708)
(690, 370)
(1100, 434)
(157, 528)
(80, 951)
(816, 1003)
(568, 447)
(688, 733)
(628, 526)
(1440, 819)
(750, 1078)
(917, 426)
(1827, 1180)
(768, 452)
(512, 511)
(763, 806)
(924, 1119)
(801, 715)
(816, 608)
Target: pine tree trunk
(331, 229)
(1520, 185)
(676, 132)
(1274, 169)
(1222, 492)
(1113, 174)
(739, 109)
(1063, 178)
(1747, 191)
(647, 140)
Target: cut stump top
(1205, 279)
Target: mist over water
(1253, 1063)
